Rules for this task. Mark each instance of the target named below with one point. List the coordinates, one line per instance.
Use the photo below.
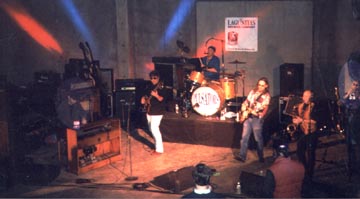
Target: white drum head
(206, 101)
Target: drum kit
(208, 98)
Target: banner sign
(241, 34)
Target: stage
(209, 131)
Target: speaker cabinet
(291, 79)
(252, 184)
(106, 98)
(124, 105)
(175, 181)
(128, 93)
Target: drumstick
(202, 64)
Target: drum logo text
(204, 98)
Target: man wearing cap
(210, 65)
(284, 178)
(201, 176)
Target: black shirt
(158, 107)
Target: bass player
(155, 105)
(254, 108)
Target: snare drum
(228, 85)
(208, 100)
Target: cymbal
(237, 62)
(180, 44)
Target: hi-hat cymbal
(237, 62)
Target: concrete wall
(127, 34)
(336, 36)
(284, 36)
(21, 55)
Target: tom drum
(197, 77)
(228, 85)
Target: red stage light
(212, 42)
(32, 27)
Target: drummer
(210, 65)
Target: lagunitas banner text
(241, 34)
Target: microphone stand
(131, 177)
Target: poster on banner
(241, 34)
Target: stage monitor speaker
(175, 181)
(291, 79)
(252, 185)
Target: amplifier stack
(128, 93)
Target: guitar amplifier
(76, 67)
(128, 93)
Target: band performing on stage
(211, 93)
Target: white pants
(154, 126)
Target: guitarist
(155, 104)
(255, 106)
(307, 142)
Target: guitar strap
(257, 99)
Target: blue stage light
(177, 20)
(78, 22)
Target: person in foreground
(201, 176)
(285, 176)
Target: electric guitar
(90, 63)
(249, 111)
(147, 104)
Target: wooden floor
(331, 175)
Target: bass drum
(208, 100)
